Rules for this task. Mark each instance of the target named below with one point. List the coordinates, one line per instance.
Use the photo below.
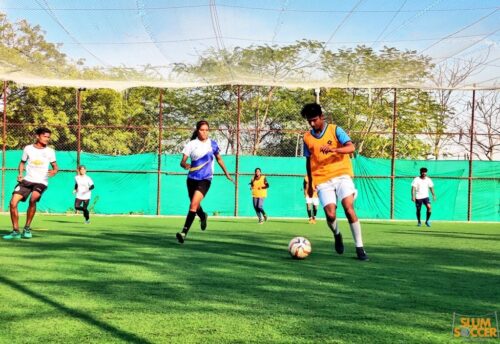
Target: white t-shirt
(422, 186)
(83, 190)
(38, 161)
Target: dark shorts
(198, 185)
(24, 188)
(421, 201)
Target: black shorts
(24, 188)
(421, 201)
(198, 185)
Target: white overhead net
(343, 43)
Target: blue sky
(135, 32)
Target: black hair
(311, 110)
(80, 167)
(198, 126)
(258, 168)
(43, 130)
(423, 169)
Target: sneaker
(27, 233)
(265, 217)
(427, 223)
(360, 251)
(180, 237)
(310, 221)
(419, 224)
(14, 235)
(339, 243)
(87, 222)
(261, 222)
(313, 221)
(203, 224)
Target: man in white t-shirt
(36, 158)
(420, 194)
(82, 191)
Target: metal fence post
(237, 163)
(79, 128)
(4, 137)
(393, 152)
(471, 151)
(160, 135)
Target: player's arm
(184, 163)
(310, 191)
(432, 192)
(54, 169)
(266, 184)
(347, 148)
(20, 169)
(221, 164)
(413, 191)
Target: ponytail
(198, 126)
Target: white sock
(356, 233)
(333, 226)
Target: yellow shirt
(326, 166)
(258, 187)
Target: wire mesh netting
(131, 144)
(355, 43)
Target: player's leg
(261, 208)
(30, 213)
(428, 215)
(309, 208)
(14, 216)
(197, 189)
(255, 202)
(315, 203)
(328, 198)
(418, 205)
(85, 210)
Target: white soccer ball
(299, 247)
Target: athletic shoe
(265, 217)
(180, 237)
(261, 222)
(361, 254)
(313, 221)
(87, 222)
(419, 224)
(427, 223)
(27, 233)
(14, 235)
(339, 243)
(203, 223)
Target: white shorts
(312, 200)
(336, 188)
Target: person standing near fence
(311, 202)
(201, 151)
(82, 191)
(420, 195)
(259, 186)
(36, 158)
(327, 148)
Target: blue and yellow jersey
(327, 166)
(202, 154)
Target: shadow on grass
(123, 335)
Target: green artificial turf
(126, 279)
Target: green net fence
(129, 185)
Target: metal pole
(237, 172)
(160, 135)
(471, 151)
(79, 128)
(393, 152)
(4, 137)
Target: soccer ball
(299, 248)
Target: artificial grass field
(126, 279)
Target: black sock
(428, 216)
(309, 213)
(200, 213)
(418, 215)
(315, 210)
(189, 221)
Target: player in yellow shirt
(327, 148)
(311, 202)
(259, 186)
